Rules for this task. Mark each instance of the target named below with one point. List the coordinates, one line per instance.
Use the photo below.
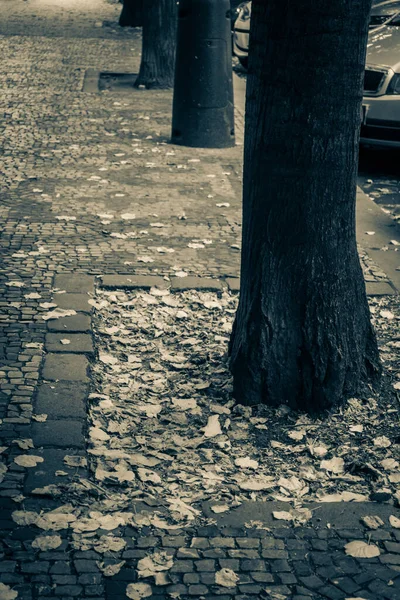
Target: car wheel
(244, 61)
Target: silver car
(381, 102)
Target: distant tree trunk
(132, 13)
(158, 45)
(302, 334)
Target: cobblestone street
(93, 197)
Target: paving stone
(131, 281)
(59, 434)
(233, 284)
(78, 302)
(148, 541)
(65, 367)
(173, 541)
(260, 577)
(274, 554)
(283, 590)
(62, 400)
(204, 565)
(346, 584)
(180, 284)
(35, 567)
(379, 535)
(390, 559)
(200, 542)
(247, 542)
(197, 590)
(68, 590)
(379, 288)
(214, 553)
(331, 592)
(311, 582)
(80, 343)
(80, 322)
(74, 282)
(252, 590)
(187, 553)
(243, 553)
(252, 565)
(86, 566)
(392, 547)
(182, 566)
(190, 578)
(272, 543)
(383, 591)
(222, 542)
(44, 473)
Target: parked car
(382, 11)
(381, 102)
(241, 32)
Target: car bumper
(381, 125)
(241, 43)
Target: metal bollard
(203, 92)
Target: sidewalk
(107, 233)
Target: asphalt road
(379, 169)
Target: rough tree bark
(132, 13)
(302, 334)
(158, 45)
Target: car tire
(244, 61)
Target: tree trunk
(158, 45)
(302, 334)
(132, 13)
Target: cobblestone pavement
(90, 186)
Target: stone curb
(62, 394)
(202, 284)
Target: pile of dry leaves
(164, 427)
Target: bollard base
(208, 128)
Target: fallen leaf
(359, 549)
(47, 542)
(226, 578)
(220, 508)
(28, 460)
(147, 475)
(344, 497)
(6, 593)
(296, 435)
(334, 465)
(246, 463)
(389, 464)
(387, 314)
(394, 521)
(110, 570)
(213, 427)
(282, 515)
(382, 442)
(24, 517)
(356, 428)
(137, 591)
(58, 313)
(39, 418)
(25, 444)
(75, 461)
(184, 403)
(150, 565)
(96, 433)
(372, 522)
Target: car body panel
(381, 126)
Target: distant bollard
(203, 92)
